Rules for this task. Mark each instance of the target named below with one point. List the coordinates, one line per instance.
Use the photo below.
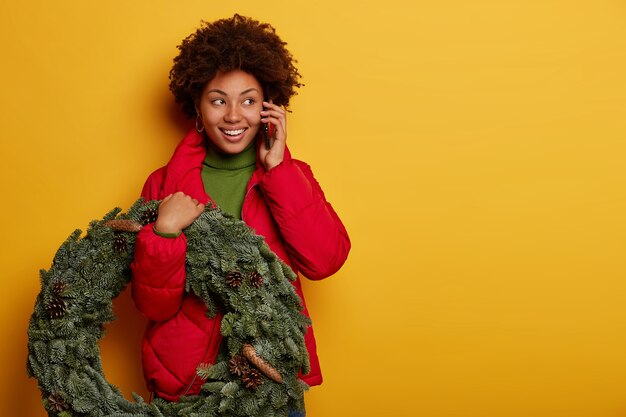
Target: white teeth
(234, 132)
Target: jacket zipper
(245, 197)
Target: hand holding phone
(274, 135)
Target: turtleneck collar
(220, 160)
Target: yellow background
(474, 149)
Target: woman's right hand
(176, 212)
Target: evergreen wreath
(228, 266)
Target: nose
(232, 114)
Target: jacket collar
(184, 170)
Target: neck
(220, 160)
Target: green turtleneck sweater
(226, 176)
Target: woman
(234, 77)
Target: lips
(233, 132)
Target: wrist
(166, 235)
(272, 164)
(161, 228)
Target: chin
(231, 148)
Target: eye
(249, 101)
(218, 101)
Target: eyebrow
(215, 90)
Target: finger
(272, 106)
(274, 119)
(273, 114)
(201, 207)
(274, 111)
(279, 127)
(194, 201)
(169, 196)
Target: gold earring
(201, 128)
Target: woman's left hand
(277, 117)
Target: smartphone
(268, 135)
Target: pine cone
(149, 216)
(56, 307)
(59, 287)
(234, 279)
(238, 365)
(256, 279)
(268, 370)
(119, 243)
(123, 225)
(252, 378)
(56, 403)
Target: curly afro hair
(237, 43)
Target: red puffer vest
(285, 205)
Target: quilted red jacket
(285, 205)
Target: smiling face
(230, 108)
